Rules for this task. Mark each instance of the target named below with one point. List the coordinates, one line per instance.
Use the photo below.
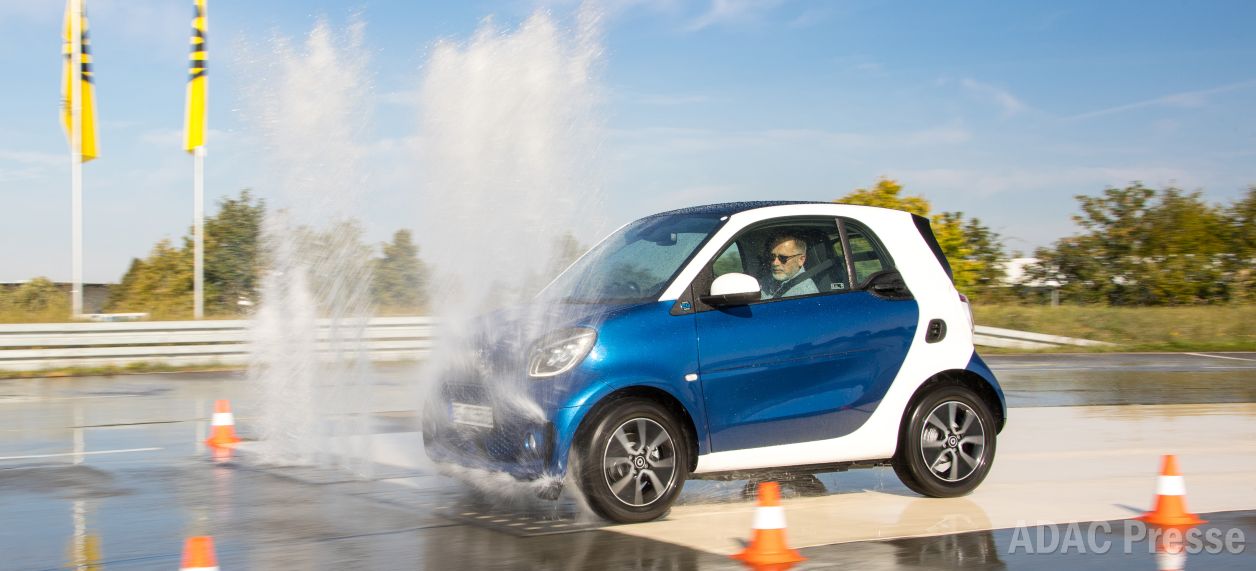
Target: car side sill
(786, 472)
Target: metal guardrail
(1013, 339)
(34, 347)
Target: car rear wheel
(947, 443)
(633, 462)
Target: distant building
(95, 296)
(1014, 274)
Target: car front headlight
(557, 353)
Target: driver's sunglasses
(782, 258)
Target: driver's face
(794, 257)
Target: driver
(787, 254)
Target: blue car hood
(491, 358)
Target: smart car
(729, 341)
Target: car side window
(866, 253)
(729, 261)
(789, 258)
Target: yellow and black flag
(196, 123)
(82, 88)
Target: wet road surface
(140, 482)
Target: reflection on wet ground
(1115, 545)
(261, 520)
(1109, 379)
(110, 470)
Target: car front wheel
(633, 462)
(947, 443)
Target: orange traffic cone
(222, 427)
(767, 544)
(1170, 507)
(198, 554)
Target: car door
(801, 368)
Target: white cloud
(26, 166)
(812, 16)
(1008, 104)
(173, 138)
(148, 22)
(732, 11)
(33, 158)
(664, 99)
(1068, 181)
(676, 140)
(859, 62)
(701, 194)
(655, 142)
(1184, 99)
(13, 10)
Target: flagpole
(195, 142)
(198, 280)
(76, 154)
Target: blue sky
(1002, 110)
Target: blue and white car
(730, 341)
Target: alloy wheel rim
(639, 463)
(953, 441)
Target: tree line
(1136, 246)
(235, 258)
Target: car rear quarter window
(867, 254)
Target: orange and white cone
(222, 426)
(1170, 507)
(198, 554)
(767, 544)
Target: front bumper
(517, 444)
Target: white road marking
(1222, 357)
(78, 453)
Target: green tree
(887, 193)
(1240, 263)
(399, 278)
(36, 300)
(566, 250)
(974, 252)
(232, 253)
(1140, 246)
(1241, 222)
(338, 263)
(119, 293)
(161, 285)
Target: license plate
(473, 415)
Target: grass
(56, 315)
(1194, 328)
(111, 370)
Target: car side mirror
(732, 289)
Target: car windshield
(635, 263)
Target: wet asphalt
(145, 483)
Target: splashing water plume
(511, 136)
(308, 360)
(511, 132)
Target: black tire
(622, 480)
(947, 442)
